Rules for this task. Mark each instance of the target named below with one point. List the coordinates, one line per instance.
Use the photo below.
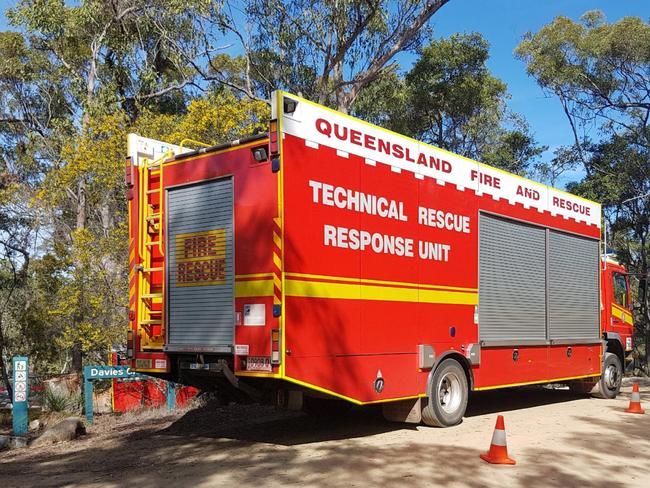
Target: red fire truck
(331, 259)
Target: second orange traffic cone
(635, 401)
(498, 453)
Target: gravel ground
(558, 440)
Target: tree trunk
(3, 366)
(77, 353)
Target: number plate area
(258, 363)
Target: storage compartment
(200, 267)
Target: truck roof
(404, 142)
(306, 115)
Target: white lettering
(344, 198)
(361, 240)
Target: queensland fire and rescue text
(361, 239)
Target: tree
(619, 174)
(328, 51)
(74, 80)
(450, 99)
(15, 237)
(599, 73)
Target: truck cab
(617, 322)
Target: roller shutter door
(200, 261)
(512, 280)
(574, 301)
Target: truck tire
(448, 393)
(610, 382)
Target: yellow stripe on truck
(624, 316)
(349, 291)
(254, 288)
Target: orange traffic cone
(498, 453)
(635, 401)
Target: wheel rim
(611, 377)
(449, 392)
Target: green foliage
(74, 80)
(450, 99)
(328, 51)
(599, 72)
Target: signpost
(92, 373)
(20, 400)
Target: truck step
(148, 296)
(153, 216)
(152, 270)
(151, 322)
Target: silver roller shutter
(573, 287)
(200, 262)
(512, 280)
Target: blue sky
(503, 23)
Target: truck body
(331, 258)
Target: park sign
(108, 372)
(20, 410)
(100, 372)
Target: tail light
(275, 346)
(129, 344)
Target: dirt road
(558, 440)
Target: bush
(61, 402)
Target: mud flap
(407, 411)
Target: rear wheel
(448, 393)
(610, 382)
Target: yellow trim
(277, 261)
(379, 282)
(277, 241)
(254, 275)
(349, 399)
(152, 370)
(619, 312)
(280, 223)
(540, 382)
(254, 288)
(187, 139)
(315, 289)
(368, 124)
(220, 151)
(618, 307)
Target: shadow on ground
(252, 445)
(269, 425)
(505, 400)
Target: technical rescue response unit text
(361, 239)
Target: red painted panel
(354, 376)
(582, 360)
(498, 367)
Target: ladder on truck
(151, 327)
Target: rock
(16, 442)
(34, 425)
(12, 441)
(66, 430)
